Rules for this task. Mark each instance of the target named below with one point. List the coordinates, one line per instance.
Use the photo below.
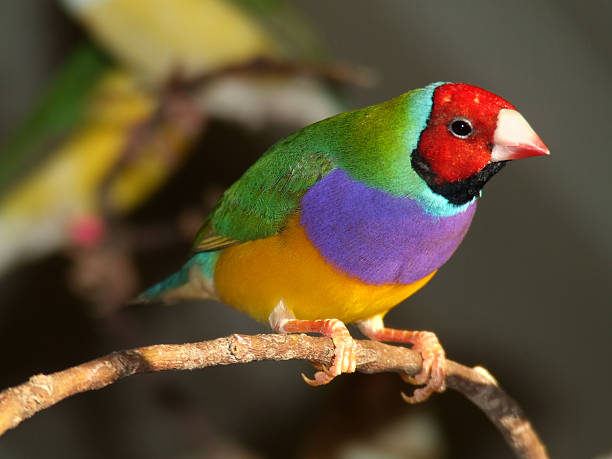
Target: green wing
(293, 33)
(259, 204)
(58, 111)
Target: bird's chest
(377, 237)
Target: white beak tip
(514, 138)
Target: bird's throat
(459, 192)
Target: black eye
(461, 127)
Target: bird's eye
(461, 128)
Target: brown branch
(339, 73)
(42, 391)
(478, 385)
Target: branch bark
(42, 391)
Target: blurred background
(178, 117)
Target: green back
(58, 111)
(373, 145)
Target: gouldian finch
(344, 219)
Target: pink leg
(433, 373)
(345, 358)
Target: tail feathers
(192, 282)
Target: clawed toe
(320, 378)
(345, 355)
(345, 360)
(433, 372)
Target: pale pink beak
(514, 138)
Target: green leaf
(59, 110)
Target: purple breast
(377, 237)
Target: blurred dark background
(526, 295)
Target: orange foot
(433, 373)
(345, 357)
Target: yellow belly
(254, 276)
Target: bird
(344, 219)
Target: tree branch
(42, 391)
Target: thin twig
(478, 385)
(42, 391)
(339, 73)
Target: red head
(469, 135)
